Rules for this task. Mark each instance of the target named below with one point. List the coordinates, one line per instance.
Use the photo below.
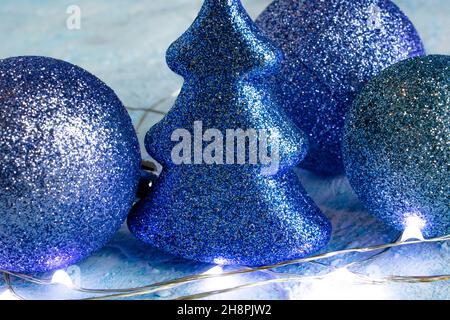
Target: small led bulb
(8, 295)
(61, 277)
(215, 270)
(413, 229)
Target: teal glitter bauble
(396, 145)
(69, 164)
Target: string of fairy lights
(62, 278)
(411, 236)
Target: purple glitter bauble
(69, 164)
(332, 49)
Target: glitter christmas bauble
(210, 206)
(332, 48)
(69, 164)
(396, 145)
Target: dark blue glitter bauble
(69, 164)
(228, 213)
(332, 48)
(396, 145)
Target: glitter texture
(396, 144)
(69, 164)
(332, 48)
(228, 214)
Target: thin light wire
(291, 278)
(186, 280)
(152, 108)
(160, 286)
(282, 277)
(10, 287)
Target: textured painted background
(123, 42)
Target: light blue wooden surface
(123, 42)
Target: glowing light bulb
(413, 229)
(215, 270)
(342, 275)
(217, 283)
(61, 277)
(8, 295)
(341, 284)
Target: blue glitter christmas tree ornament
(69, 164)
(332, 49)
(220, 205)
(396, 145)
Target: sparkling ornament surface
(223, 213)
(396, 145)
(69, 164)
(125, 259)
(332, 48)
